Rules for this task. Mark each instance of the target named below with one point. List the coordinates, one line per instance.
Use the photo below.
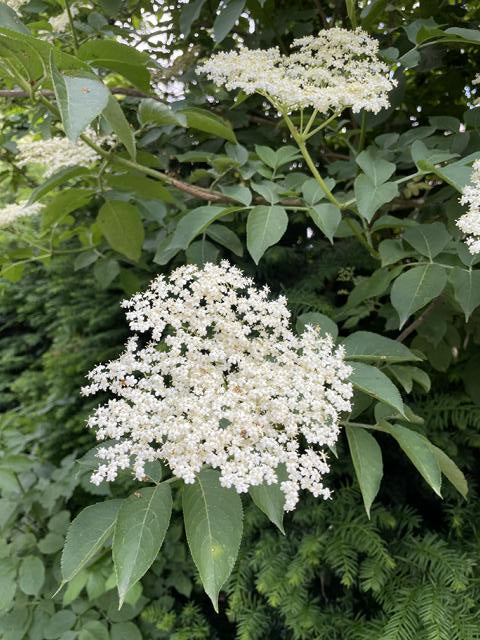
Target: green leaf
(242, 194)
(371, 197)
(79, 100)
(457, 174)
(86, 535)
(312, 191)
(209, 123)
(327, 217)
(418, 449)
(374, 383)
(196, 222)
(121, 224)
(140, 529)
(367, 461)
(8, 583)
(113, 114)
(75, 587)
(64, 203)
(374, 286)
(326, 324)
(58, 178)
(265, 227)
(93, 630)
(450, 471)
(59, 623)
(105, 271)
(225, 20)
(190, 13)
(213, 524)
(10, 20)
(428, 239)
(226, 237)
(31, 575)
(144, 188)
(392, 251)
(152, 111)
(365, 345)
(125, 631)
(416, 288)
(374, 166)
(466, 287)
(270, 499)
(129, 62)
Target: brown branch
(418, 321)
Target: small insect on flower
(219, 379)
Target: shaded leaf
(265, 227)
(376, 384)
(367, 461)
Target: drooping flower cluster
(214, 376)
(10, 213)
(338, 68)
(469, 223)
(58, 152)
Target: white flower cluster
(15, 4)
(219, 379)
(58, 152)
(469, 223)
(13, 212)
(338, 68)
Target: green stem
(362, 240)
(322, 126)
(310, 122)
(309, 160)
(72, 27)
(363, 131)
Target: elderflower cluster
(13, 212)
(15, 4)
(469, 223)
(59, 152)
(338, 68)
(215, 376)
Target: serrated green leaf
(113, 114)
(140, 529)
(365, 345)
(270, 499)
(86, 536)
(418, 449)
(466, 287)
(121, 224)
(428, 239)
(152, 111)
(327, 217)
(417, 287)
(367, 461)
(226, 237)
(230, 11)
(79, 100)
(196, 222)
(265, 227)
(209, 123)
(376, 384)
(371, 197)
(213, 518)
(31, 575)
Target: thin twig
(418, 321)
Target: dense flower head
(214, 376)
(11, 213)
(336, 69)
(58, 152)
(469, 223)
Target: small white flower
(219, 379)
(58, 152)
(15, 211)
(469, 223)
(329, 72)
(15, 4)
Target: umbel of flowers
(469, 223)
(215, 376)
(336, 69)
